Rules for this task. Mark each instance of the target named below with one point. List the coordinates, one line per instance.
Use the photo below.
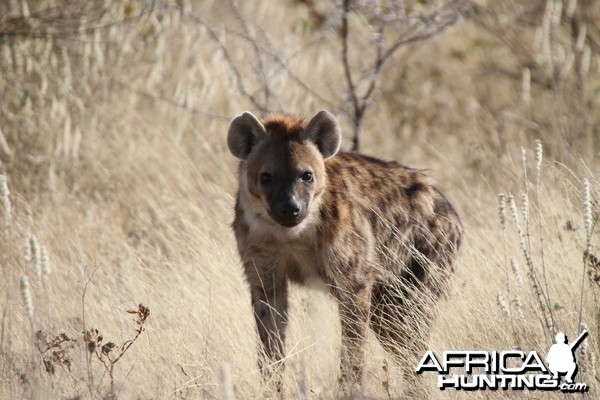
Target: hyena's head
(282, 173)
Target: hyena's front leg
(270, 304)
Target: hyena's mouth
(289, 222)
(288, 219)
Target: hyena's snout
(288, 210)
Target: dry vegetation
(117, 188)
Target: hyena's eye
(265, 178)
(307, 176)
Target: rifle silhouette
(573, 345)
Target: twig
(170, 101)
(21, 26)
(257, 53)
(357, 113)
(228, 59)
(87, 353)
(430, 25)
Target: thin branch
(260, 51)
(257, 52)
(357, 114)
(171, 101)
(228, 59)
(284, 64)
(436, 22)
(87, 353)
(126, 346)
(429, 26)
(24, 27)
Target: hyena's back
(416, 229)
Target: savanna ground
(113, 118)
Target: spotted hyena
(380, 235)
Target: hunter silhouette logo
(561, 356)
(507, 370)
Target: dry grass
(121, 187)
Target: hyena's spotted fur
(379, 234)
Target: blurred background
(117, 186)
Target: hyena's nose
(288, 209)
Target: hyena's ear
(244, 132)
(324, 130)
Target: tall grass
(539, 297)
(115, 175)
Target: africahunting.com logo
(507, 370)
